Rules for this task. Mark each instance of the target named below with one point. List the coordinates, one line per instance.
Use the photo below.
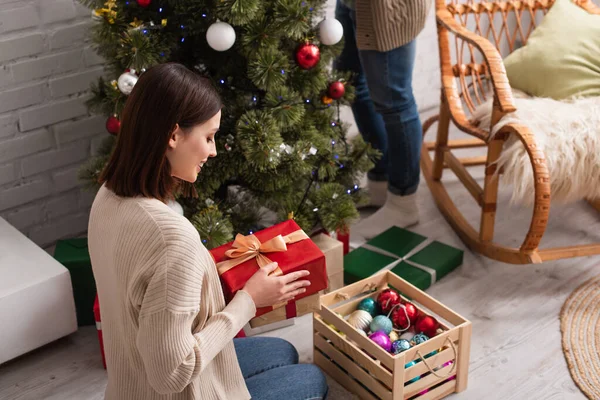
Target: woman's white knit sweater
(167, 331)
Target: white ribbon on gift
(432, 273)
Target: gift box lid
(300, 255)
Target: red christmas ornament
(143, 3)
(400, 314)
(427, 325)
(308, 55)
(412, 311)
(399, 319)
(113, 125)
(336, 90)
(387, 300)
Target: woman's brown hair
(165, 95)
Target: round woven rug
(580, 327)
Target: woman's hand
(268, 290)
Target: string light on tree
(127, 81)
(308, 55)
(331, 31)
(220, 36)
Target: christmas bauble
(394, 336)
(369, 305)
(308, 55)
(443, 365)
(381, 323)
(126, 82)
(336, 90)
(410, 364)
(326, 100)
(408, 335)
(401, 318)
(400, 345)
(427, 325)
(113, 125)
(412, 311)
(175, 206)
(382, 339)
(332, 326)
(433, 353)
(144, 3)
(220, 36)
(360, 320)
(331, 31)
(419, 338)
(387, 300)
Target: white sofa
(36, 298)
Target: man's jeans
(384, 108)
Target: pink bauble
(382, 340)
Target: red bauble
(336, 90)
(399, 319)
(308, 55)
(144, 3)
(387, 300)
(427, 325)
(113, 125)
(400, 313)
(412, 311)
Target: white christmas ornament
(175, 206)
(220, 36)
(360, 319)
(331, 31)
(127, 81)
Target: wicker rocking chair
(472, 36)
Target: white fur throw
(568, 132)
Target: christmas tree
(282, 149)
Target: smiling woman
(168, 334)
(167, 132)
(190, 148)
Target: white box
(36, 297)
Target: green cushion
(562, 56)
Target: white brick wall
(46, 67)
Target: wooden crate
(367, 370)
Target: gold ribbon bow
(248, 247)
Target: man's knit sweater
(384, 25)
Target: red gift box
(99, 328)
(284, 243)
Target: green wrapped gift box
(415, 258)
(74, 255)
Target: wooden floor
(516, 350)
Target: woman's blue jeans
(271, 370)
(384, 108)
